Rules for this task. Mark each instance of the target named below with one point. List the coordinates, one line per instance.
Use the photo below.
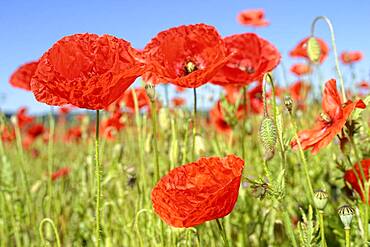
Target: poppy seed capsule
(313, 50)
(288, 102)
(320, 199)
(150, 91)
(346, 213)
(268, 137)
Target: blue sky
(29, 28)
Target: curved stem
(97, 179)
(50, 221)
(194, 122)
(330, 25)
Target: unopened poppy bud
(288, 102)
(346, 213)
(13, 120)
(313, 50)
(150, 91)
(268, 137)
(320, 199)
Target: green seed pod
(346, 213)
(320, 199)
(288, 102)
(268, 136)
(150, 91)
(313, 49)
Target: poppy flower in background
(23, 118)
(299, 91)
(187, 56)
(8, 134)
(35, 130)
(64, 110)
(180, 89)
(86, 70)
(21, 78)
(301, 49)
(251, 58)
(62, 172)
(330, 122)
(141, 96)
(197, 192)
(350, 177)
(253, 17)
(178, 101)
(350, 57)
(300, 69)
(363, 85)
(73, 134)
(111, 126)
(217, 119)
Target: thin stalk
(303, 158)
(194, 123)
(330, 25)
(223, 232)
(50, 157)
(98, 182)
(347, 232)
(244, 120)
(322, 229)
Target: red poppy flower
(86, 70)
(301, 49)
(64, 110)
(35, 130)
(330, 122)
(251, 58)
(73, 134)
(111, 126)
(217, 119)
(62, 172)
(21, 78)
(363, 85)
(351, 57)
(197, 192)
(300, 69)
(8, 134)
(23, 118)
(187, 56)
(178, 101)
(141, 96)
(299, 91)
(350, 177)
(253, 17)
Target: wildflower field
(129, 155)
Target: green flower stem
(194, 123)
(141, 145)
(97, 181)
(50, 157)
(322, 229)
(330, 25)
(223, 232)
(347, 232)
(303, 158)
(244, 120)
(47, 220)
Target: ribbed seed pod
(268, 136)
(313, 49)
(150, 91)
(320, 199)
(288, 102)
(346, 213)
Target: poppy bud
(13, 120)
(288, 102)
(313, 50)
(268, 137)
(346, 213)
(150, 91)
(320, 199)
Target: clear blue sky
(29, 28)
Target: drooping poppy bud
(268, 137)
(313, 50)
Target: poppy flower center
(190, 67)
(248, 69)
(325, 117)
